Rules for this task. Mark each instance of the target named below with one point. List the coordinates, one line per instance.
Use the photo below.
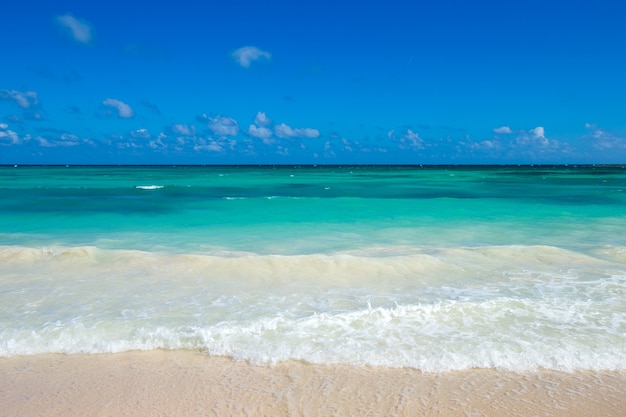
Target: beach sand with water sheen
(183, 383)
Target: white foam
(149, 187)
(435, 338)
(517, 308)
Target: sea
(437, 268)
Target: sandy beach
(182, 383)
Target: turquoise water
(436, 268)
(310, 209)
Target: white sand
(176, 383)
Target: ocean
(436, 268)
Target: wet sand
(178, 383)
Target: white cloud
(44, 142)
(530, 143)
(232, 144)
(24, 99)
(308, 133)
(328, 150)
(504, 130)
(141, 134)
(539, 132)
(263, 129)
(284, 131)
(605, 140)
(66, 140)
(347, 146)
(127, 145)
(261, 119)
(223, 126)
(484, 145)
(157, 144)
(535, 138)
(412, 139)
(69, 139)
(183, 129)
(244, 56)
(260, 129)
(124, 111)
(89, 142)
(79, 30)
(260, 132)
(211, 147)
(282, 151)
(8, 137)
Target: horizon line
(324, 165)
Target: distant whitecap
(149, 187)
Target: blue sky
(288, 82)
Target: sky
(312, 82)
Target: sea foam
(512, 307)
(438, 337)
(149, 187)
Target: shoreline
(186, 383)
